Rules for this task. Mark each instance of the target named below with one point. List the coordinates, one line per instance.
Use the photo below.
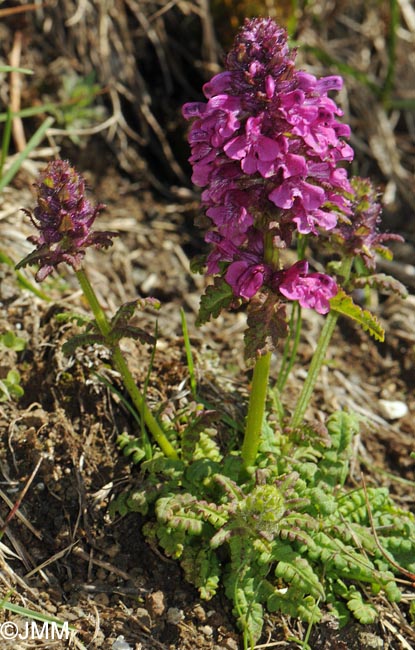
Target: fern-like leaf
(364, 612)
(124, 314)
(81, 340)
(344, 305)
(299, 573)
(385, 283)
(178, 513)
(202, 569)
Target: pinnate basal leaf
(301, 576)
(363, 611)
(131, 332)
(203, 569)
(343, 304)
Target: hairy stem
(259, 386)
(122, 367)
(256, 409)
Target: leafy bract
(343, 304)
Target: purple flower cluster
(64, 218)
(266, 146)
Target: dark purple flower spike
(64, 218)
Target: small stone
(230, 644)
(155, 603)
(371, 641)
(120, 644)
(199, 613)
(143, 616)
(174, 615)
(392, 409)
(207, 630)
(102, 599)
(113, 550)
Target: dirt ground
(62, 554)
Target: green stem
(293, 340)
(138, 401)
(313, 372)
(319, 354)
(99, 314)
(259, 387)
(122, 367)
(256, 410)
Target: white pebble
(392, 409)
(120, 644)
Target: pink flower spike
(269, 149)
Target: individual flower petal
(244, 278)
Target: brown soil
(71, 560)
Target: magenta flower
(266, 146)
(64, 218)
(246, 278)
(274, 129)
(312, 290)
(256, 152)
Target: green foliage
(35, 140)
(23, 282)
(131, 447)
(10, 386)
(12, 342)
(289, 538)
(344, 305)
(216, 297)
(78, 108)
(120, 327)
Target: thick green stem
(319, 355)
(122, 367)
(256, 410)
(259, 387)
